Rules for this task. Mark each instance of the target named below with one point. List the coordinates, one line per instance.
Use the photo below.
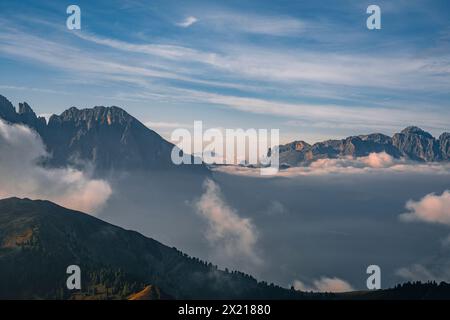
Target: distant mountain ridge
(107, 137)
(411, 143)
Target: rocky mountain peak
(27, 116)
(7, 110)
(24, 108)
(107, 137)
(416, 130)
(96, 115)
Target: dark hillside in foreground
(39, 239)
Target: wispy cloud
(227, 21)
(187, 22)
(19, 44)
(327, 114)
(252, 62)
(160, 50)
(234, 237)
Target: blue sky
(310, 68)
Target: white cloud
(189, 21)
(235, 237)
(431, 208)
(22, 176)
(324, 284)
(378, 160)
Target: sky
(309, 68)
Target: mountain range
(110, 138)
(412, 143)
(107, 137)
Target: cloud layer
(373, 163)
(324, 284)
(235, 237)
(431, 208)
(22, 176)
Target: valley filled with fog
(315, 230)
